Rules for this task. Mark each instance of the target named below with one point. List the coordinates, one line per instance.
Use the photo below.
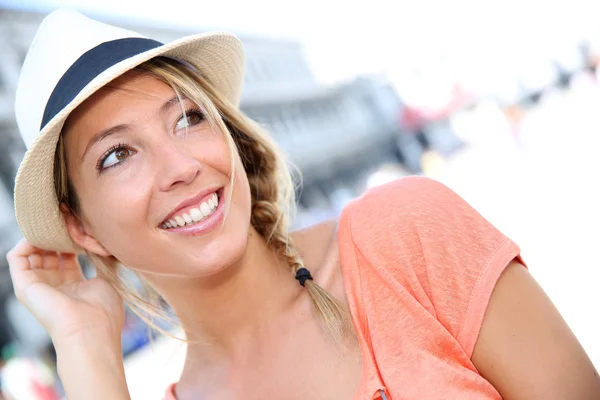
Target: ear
(79, 234)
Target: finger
(22, 249)
(35, 261)
(18, 262)
(50, 260)
(68, 261)
(17, 266)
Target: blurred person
(139, 157)
(26, 378)
(514, 116)
(432, 163)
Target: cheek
(214, 153)
(212, 150)
(242, 195)
(118, 213)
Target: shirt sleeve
(170, 393)
(421, 236)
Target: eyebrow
(171, 102)
(103, 135)
(123, 127)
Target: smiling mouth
(195, 214)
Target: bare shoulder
(317, 244)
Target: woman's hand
(84, 319)
(53, 287)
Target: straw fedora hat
(70, 58)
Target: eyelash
(107, 154)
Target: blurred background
(497, 99)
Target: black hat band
(92, 63)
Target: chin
(217, 256)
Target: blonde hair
(271, 186)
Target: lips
(193, 210)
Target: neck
(222, 311)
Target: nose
(175, 166)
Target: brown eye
(191, 118)
(121, 154)
(194, 119)
(114, 157)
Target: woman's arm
(91, 369)
(525, 348)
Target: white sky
(344, 38)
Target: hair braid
(266, 218)
(271, 221)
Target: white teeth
(196, 214)
(205, 208)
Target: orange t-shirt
(419, 266)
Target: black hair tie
(302, 275)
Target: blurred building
(13, 46)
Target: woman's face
(137, 171)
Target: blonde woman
(139, 157)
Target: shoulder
(315, 239)
(408, 208)
(407, 183)
(414, 194)
(316, 244)
(418, 215)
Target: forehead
(123, 95)
(132, 85)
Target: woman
(139, 157)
